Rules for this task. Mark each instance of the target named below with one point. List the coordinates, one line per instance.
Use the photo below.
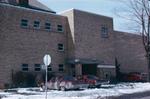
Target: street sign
(47, 60)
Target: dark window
(59, 28)
(24, 3)
(104, 32)
(49, 68)
(24, 23)
(61, 67)
(60, 47)
(25, 67)
(37, 67)
(36, 24)
(47, 26)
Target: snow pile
(109, 90)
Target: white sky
(103, 7)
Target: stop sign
(47, 60)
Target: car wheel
(62, 88)
(98, 86)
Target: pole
(46, 84)
(148, 43)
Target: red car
(94, 81)
(134, 77)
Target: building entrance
(89, 69)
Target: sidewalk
(140, 95)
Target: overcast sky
(103, 7)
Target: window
(24, 67)
(24, 23)
(104, 32)
(24, 2)
(60, 47)
(37, 67)
(36, 24)
(59, 28)
(49, 68)
(47, 26)
(61, 67)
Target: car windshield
(92, 77)
(68, 78)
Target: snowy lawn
(106, 90)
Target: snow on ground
(106, 90)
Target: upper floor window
(24, 3)
(24, 23)
(59, 28)
(37, 67)
(61, 67)
(47, 26)
(104, 32)
(25, 67)
(36, 24)
(61, 47)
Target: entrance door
(89, 69)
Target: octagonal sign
(47, 60)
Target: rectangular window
(104, 32)
(61, 67)
(49, 68)
(36, 24)
(47, 26)
(60, 47)
(24, 23)
(25, 67)
(37, 67)
(59, 28)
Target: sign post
(47, 61)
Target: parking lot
(96, 93)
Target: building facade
(79, 42)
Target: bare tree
(140, 10)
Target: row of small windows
(38, 67)
(24, 23)
(36, 24)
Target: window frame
(25, 67)
(37, 67)
(47, 26)
(36, 24)
(60, 28)
(24, 23)
(49, 68)
(60, 48)
(61, 67)
(104, 31)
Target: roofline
(65, 11)
(24, 8)
(84, 12)
(137, 34)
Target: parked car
(133, 76)
(94, 81)
(65, 83)
(71, 83)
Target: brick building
(79, 42)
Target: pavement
(148, 97)
(140, 95)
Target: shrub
(23, 79)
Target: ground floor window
(25, 67)
(37, 67)
(61, 67)
(49, 68)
